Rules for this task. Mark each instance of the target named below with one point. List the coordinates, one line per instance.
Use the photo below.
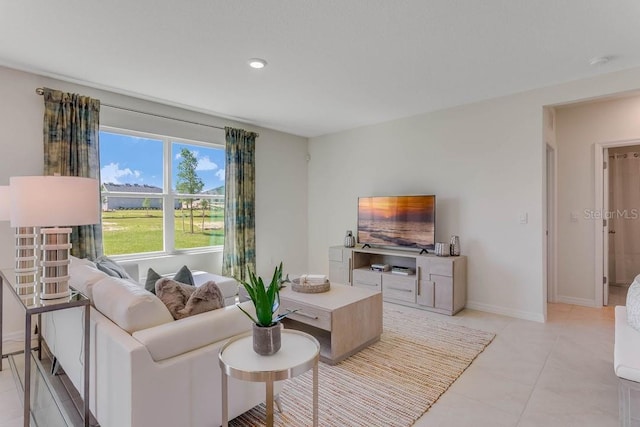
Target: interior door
(605, 228)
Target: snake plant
(265, 299)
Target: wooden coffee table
(344, 319)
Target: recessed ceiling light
(257, 63)
(599, 60)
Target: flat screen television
(397, 221)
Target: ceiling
(332, 64)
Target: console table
(35, 305)
(299, 353)
(436, 284)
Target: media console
(439, 283)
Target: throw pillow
(173, 294)
(205, 298)
(152, 278)
(184, 276)
(633, 305)
(111, 267)
(185, 300)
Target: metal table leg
(1, 302)
(27, 371)
(87, 349)
(39, 331)
(269, 403)
(225, 405)
(315, 394)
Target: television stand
(366, 245)
(423, 251)
(439, 283)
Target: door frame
(551, 239)
(599, 206)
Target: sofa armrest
(184, 335)
(626, 352)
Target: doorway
(624, 227)
(619, 231)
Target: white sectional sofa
(626, 364)
(147, 369)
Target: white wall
(579, 127)
(281, 172)
(484, 161)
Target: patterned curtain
(71, 126)
(239, 253)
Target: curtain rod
(40, 91)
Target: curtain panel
(239, 253)
(71, 129)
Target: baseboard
(526, 315)
(576, 301)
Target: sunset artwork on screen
(406, 221)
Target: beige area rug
(391, 383)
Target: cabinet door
(443, 292)
(425, 293)
(340, 265)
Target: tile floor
(558, 373)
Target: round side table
(299, 353)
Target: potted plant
(266, 324)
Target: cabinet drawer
(399, 288)
(307, 314)
(441, 267)
(367, 279)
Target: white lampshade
(4, 203)
(47, 201)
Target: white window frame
(168, 198)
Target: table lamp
(50, 202)
(26, 268)
(4, 203)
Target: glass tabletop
(35, 304)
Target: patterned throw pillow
(633, 305)
(185, 300)
(206, 297)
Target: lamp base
(54, 277)
(26, 268)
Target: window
(160, 194)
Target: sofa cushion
(228, 285)
(129, 306)
(83, 275)
(633, 304)
(185, 300)
(179, 337)
(112, 268)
